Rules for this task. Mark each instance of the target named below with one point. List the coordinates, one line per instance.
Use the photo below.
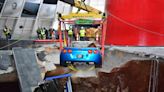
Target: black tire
(98, 65)
(63, 64)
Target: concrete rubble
(134, 76)
(124, 69)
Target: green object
(84, 21)
(70, 32)
(82, 33)
(6, 31)
(42, 32)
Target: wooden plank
(27, 68)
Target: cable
(82, 1)
(153, 79)
(135, 26)
(64, 33)
(150, 78)
(10, 44)
(75, 69)
(72, 68)
(85, 5)
(156, 75)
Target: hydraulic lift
(80, 4)
(92, 14)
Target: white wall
(13, 18)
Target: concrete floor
(114, 57)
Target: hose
(150, 78)
(70, 66)
(153, 80)
(10, 44)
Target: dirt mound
(133, 76)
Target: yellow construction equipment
(92, 16)
(83, 6)
(92, 13)
(82, 15)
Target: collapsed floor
(121, 72)
(134, 76)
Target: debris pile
(133, 76)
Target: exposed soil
(130, 77)
(9, 87)
(133, 76)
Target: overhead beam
(85, 7)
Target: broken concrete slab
(41, 55)
(14, 43)
(7, 52)
(142, 51)
(5, 61)
(27, 68)
(133, 76)
(7, 69)
(116, 58)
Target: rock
(41, 55)
(57, 71)
(131, 77)
(49, 66)
(90, 84)
(5, 61)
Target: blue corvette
(86, 55)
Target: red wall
(135, 22)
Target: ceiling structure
(25, 16)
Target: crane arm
(81, 5)
(93, 12)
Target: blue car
(86, 55)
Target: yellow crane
(82, 18)
(80, 4)
(92, 13)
